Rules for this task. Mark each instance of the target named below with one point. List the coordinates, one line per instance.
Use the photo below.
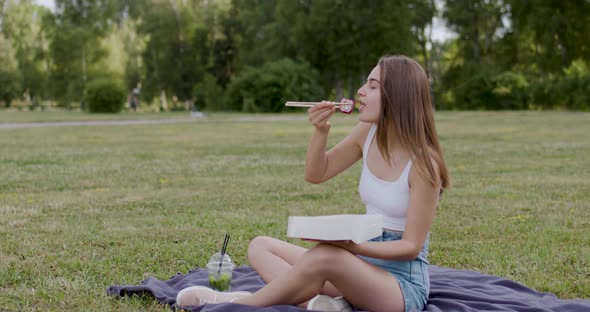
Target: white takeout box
(355, 227)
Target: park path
(144, 121)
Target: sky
(48, 3)
(439, 32)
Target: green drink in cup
(220, 276)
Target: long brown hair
(407, 107)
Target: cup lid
(224, 266)
(217, 257)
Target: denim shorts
(412, 276)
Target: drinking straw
(223, 248)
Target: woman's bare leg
(272, 257)
(362, 284)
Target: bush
(575, 86)
(486, 88)
(8, 85)
(578, 92)
(476, 92)
(209, 95)
(570, 91)
(267, 88)
(511, 91)
(105, 96)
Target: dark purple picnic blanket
(450, 290)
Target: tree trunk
(351, 90)
(156, 68)
(2, 9)
(363, 61)
(84, 65)
(561, 45)
(178, 23)
(84, 78)
(564, 58)
(475, 42)
(339, 90)
(163, 101)
(27, 97)
(516, 20)
(423, 48)
(475, 36)
(428, 61)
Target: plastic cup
(220, 276)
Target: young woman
(403, 174)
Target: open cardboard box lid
(354, 227)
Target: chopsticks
(310, 104)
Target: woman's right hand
(320, 114)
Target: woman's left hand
(346, 244)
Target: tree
(22, 25)
(477, 22)
(343, 39)
(2, 13)
(171, 60)
(9, 75)
(255, 33)
(424, 12)
(77, 28)
(553, 33)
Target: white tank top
(390, 199)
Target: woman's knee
(322, 258)
(259, 244)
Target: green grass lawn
(83, 208)
(54, 115)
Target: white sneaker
(199, 295)
(327, 303)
